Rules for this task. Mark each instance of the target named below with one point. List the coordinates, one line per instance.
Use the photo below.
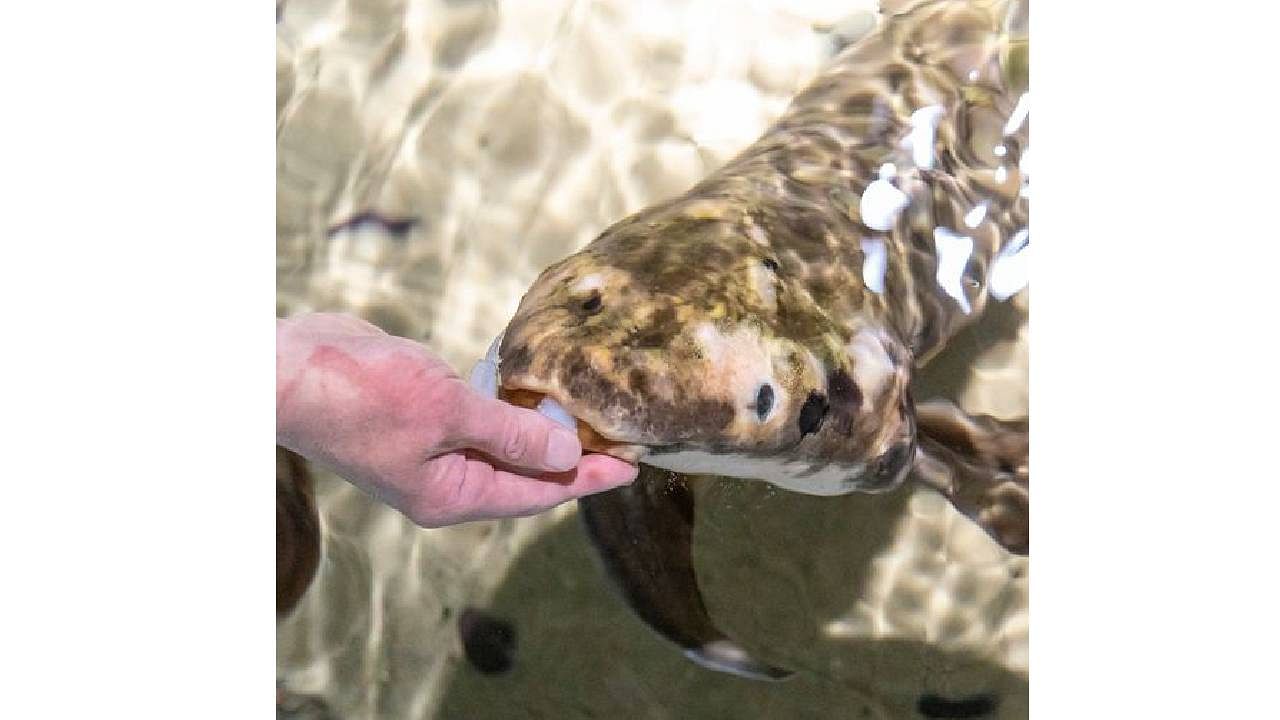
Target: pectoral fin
(980, 464)
(643, 533)
(297, 531)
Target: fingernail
(610, 479)
(563, 450)
(624, 480)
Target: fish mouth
(592, 439)
(487, 380)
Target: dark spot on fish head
(843, 392)
(489, 642)
(638, 382)
(764, 401)
(845, 399)
(812, 413)
(655, 331)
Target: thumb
(518, 436)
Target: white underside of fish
(793, 475)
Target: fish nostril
(764, 401)
(812, 413)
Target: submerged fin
(727, 657)
(980, 464)
(643, 533)
(297, 531)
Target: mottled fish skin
(663, 330)
(761, 326)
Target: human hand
(395, 420)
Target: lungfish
(766, 324)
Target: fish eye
(764, 401)
(593, 303)
(771, 264)
(812, 413)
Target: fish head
(679, 340)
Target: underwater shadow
(774, 568)
(947, 375)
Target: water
(432, 159)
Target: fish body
(765, 324)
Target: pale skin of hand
(395, 420)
